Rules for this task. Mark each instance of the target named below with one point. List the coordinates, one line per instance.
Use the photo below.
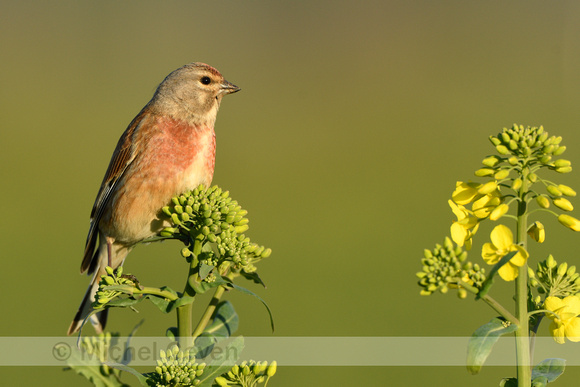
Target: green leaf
(202, 287)
(123, 302)
(540, 381)
(253, 277)
(159, 302)
(482, 341)
(224, 324)
(246, 291)
(508, 382)
(142, 379)
(551, 369)
(489, 280)
(222, 363)
(90, 368)
(204, 270)
(179, 302)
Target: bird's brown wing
(123, 156)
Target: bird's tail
(98, 319)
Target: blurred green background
(354, 122)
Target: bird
(167, 149)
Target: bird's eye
(205, 80)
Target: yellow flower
(569, 221)
(465, 227)
(502, 243)
(565, 323)
(465, 193)
(483, 206)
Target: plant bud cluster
(444, 266)
(248, 374)
(175, 368)
(112, 277)
(555, 280)
(211, 214)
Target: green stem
(491, 302)
(184, 312)
(521, 296)
(209, 311)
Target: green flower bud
(109, 270)
(494, 140)
(545, 159)
(559, 151)
(502, 150)
(563, 204)
(272, 369)
(513, 160)
(551, 262)
(178, 209)
(562, 163)
(532, 177)
(562, 269)
(571, 271)
(166, 210)
(221, 381)
(175, 219)
(505, 137)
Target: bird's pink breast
(171, 157)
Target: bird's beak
(228, 88)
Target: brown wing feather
(122, 157)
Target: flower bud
(537, 232)
(532, 177)
(501, 174)
(502, 150)
(513, 160)
(272, 368)
(553, 190)
(562, 163)
(499, 211)
(560, 150)
(488, 187)
(490, 161)
(562, 269)
(566, 190)
(570, 222)
(564, 169)
(494, 140)
(543, 201)
(484, 172)
(517, 184)
(563, 204)
(551, 262)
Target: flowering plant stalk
(211, 226)
(515, 189)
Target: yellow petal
(572, 305)
(557, 331)
(553, 304)
(464, 192)
(508, 272)
(520, 258)
(572, 329)
(458, 233)
(489, 254)
(502, 237)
